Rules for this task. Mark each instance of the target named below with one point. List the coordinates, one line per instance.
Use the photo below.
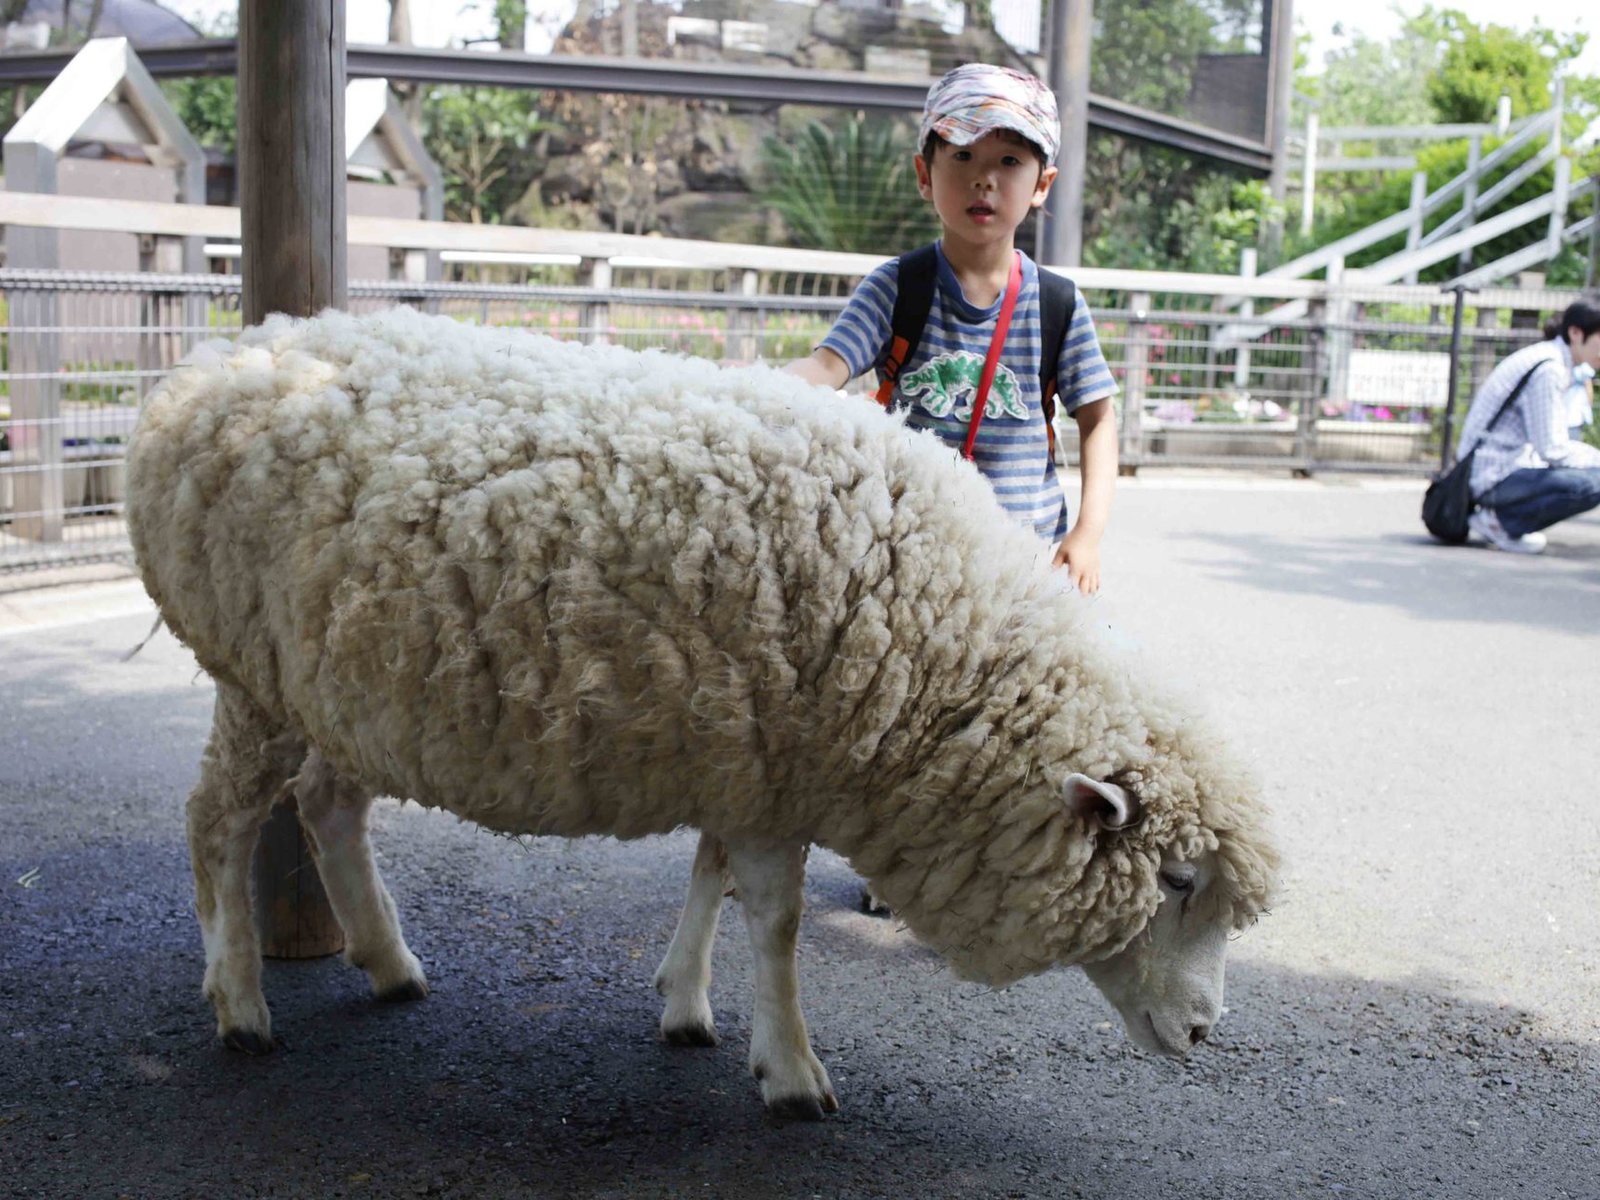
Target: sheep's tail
(143, 643)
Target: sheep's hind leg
(334, 813)
(770, 877)
(246, 762)
(684, 976)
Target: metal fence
(1357, 383)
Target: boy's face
(983, 191)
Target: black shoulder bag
(1448, 502)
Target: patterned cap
(977, 99)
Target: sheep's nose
(1198, 1034)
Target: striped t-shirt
(936, 388)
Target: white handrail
(1404, 263)
(1399, 222)
(92, 213)
(1495, 194)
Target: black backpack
(918, 276)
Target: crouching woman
(1529, 473)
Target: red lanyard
(996, 344)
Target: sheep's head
(1167, 983)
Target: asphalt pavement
(1416, 1018)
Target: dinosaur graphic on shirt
(947, 385)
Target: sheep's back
(477, 567)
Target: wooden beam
(291, 156)
(292, 221)
(1070, 30)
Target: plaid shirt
(1533, 433)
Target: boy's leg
(1537, 498)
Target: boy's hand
(822, 367)
(1080, 554)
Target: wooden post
(291, 156)
(1469, 198)
(160, 311)
(1071, 30)
(1131, 453)
(292, 220)
(35, 355)
(596, 273)
(1278, 45)
(1338, 337)
(1486, 348)
(1308, 177)
(744, 324)
(1305, 429)
(1419, 196)
(1247, 309)
(1558, 210)
(1589, 272)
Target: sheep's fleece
(569, 589)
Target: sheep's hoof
(409, 989)
(802, 1108)
(690, 1035)
(248, 1041)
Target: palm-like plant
(851, 188)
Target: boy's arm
(1097, 467)
(822, 366)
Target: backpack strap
(913, 300)
(916, 277)
(1058, 297)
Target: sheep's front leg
(770, 877)
(246, 763)
(334, 814)
(684, 976)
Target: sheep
(578, 590)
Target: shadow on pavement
(1557, 590)
(533, 1069)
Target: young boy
(988, 145)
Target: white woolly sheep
(566, 589)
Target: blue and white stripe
(1013, 453)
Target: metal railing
(1356, 383)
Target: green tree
(1167, 210)
(1371, 82)
(1480, 64)
(1441, 68)
(1145, 51)
(475, 134)
(511, 21)
(208, 106)
(851, 188)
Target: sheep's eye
(1179, 879)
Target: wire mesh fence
(1353, 384)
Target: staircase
(1454, 237)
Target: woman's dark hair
(1583, 313)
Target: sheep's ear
(1112, 806)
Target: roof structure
(103, 95)
(381, 142)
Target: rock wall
(693, 168)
